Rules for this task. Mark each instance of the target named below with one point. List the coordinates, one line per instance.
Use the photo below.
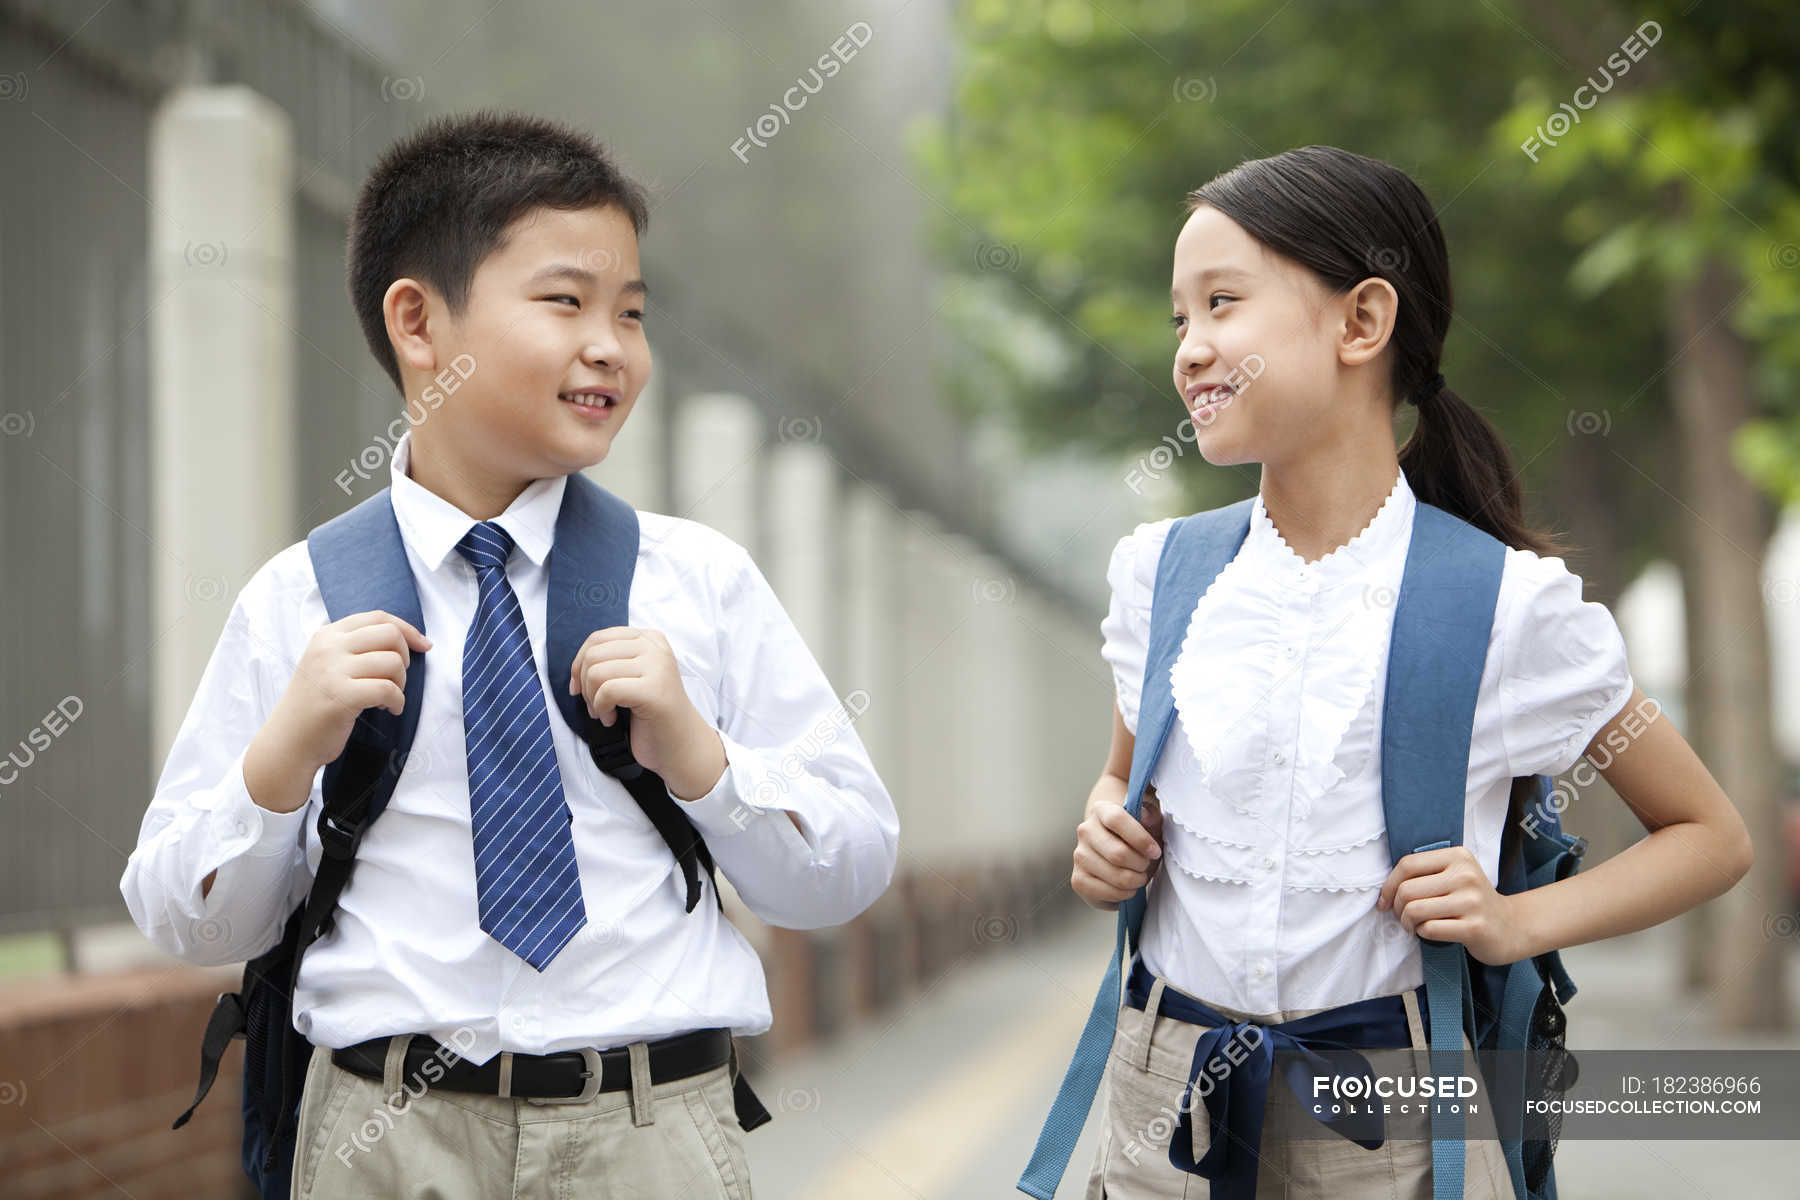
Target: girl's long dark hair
(1348, 218)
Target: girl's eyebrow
(1216, 273)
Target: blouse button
(1289, 651)
(1269, 861)
(1280, 758)
(1261, 970)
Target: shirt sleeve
(791, 746)
(1563, 671)
(202, 819)
(1125, 630)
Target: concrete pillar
(222, 371)
(870, 617)
(718, 456)
(870, 625)
(803, 559)
(633, 468)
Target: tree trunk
(1729, 527)
(1699, 925)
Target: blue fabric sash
(1237, 1060)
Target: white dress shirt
(408, 954)
(1274, 836)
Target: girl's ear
(1368, 312)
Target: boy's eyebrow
(1217, 272)
(584, 277)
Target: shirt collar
(433, 526)
(1388, 530)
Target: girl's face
(1257, 360)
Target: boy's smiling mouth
(591, 403)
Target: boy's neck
(480, 497)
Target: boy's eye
(570, 299)
(1177, 320)
(1217, 296)
(636, 314)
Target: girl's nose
(1193, 355)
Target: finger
(623, 691)
(605, 650)
(1410, 866)
(379, 636)
(1129, 829)
(1436, 883)
(1124, 879)
(1413, 913)
(378, 693)
(1444, 930)
(378, 664)
(1109, 846)
(413, 636)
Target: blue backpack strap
(1197, 548)
(360, 563)
(1442, 624)
(592, 562)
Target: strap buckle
(589, 1089)
(336, 839)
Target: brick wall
(94, 1068)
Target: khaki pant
(1149, 1068)
(396, 1138)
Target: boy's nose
(602, 353)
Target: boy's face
(555, 309)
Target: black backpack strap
(262, 1007)
(359, 561)
(750, 1111)
(611, 749)
(226, 1022)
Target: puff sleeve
(1125, 631)
(1563, 672)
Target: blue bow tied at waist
(1237, 1059)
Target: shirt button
(1269, 861)
(1261, 971)
(1280, 758)
(1289, 651)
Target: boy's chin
(580, 453)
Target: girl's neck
(1319, 506)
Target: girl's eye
(636, 314)
(1216, 296)
(570, 299)
(1177, 321)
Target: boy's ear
(408, 308)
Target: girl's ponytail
(1456, 460)
(1348, 218)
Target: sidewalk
(942, 1099)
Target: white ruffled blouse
(1273, 834)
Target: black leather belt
(566, 1077)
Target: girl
(1311, 296)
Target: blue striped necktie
(528, 889)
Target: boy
(512, 900)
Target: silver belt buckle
(589, 1089)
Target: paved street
(942, 1099)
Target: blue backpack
(360, 562)
(1442, 621)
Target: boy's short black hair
(435, 205)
